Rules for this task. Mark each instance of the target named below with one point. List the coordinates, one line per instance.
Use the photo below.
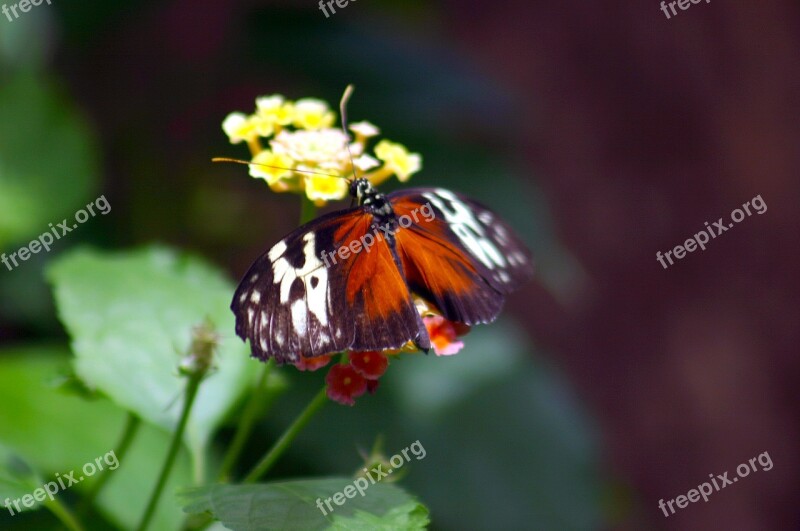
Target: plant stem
(175, 445)
(308, 210)
(286, 439)
(64, 515)
(131, 428)
(245, 423)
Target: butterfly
(348, 280)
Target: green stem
(246, 423)
(64, 515)
(308, 211)
(121, 448)
(286, 439)
(175, 445)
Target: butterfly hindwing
(301, 298)
(463, 258)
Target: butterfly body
(347, 280)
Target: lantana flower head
(295, 146)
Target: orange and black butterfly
(322, 289)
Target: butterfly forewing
(302, 298)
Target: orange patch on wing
(371, 271)
(375, 275)
(433, 260)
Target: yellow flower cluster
(307, 154)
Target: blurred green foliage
(57, 432)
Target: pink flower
(443, 334)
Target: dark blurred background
(604, 133)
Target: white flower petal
(364, 128)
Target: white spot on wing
(315, 297)
(492, 252)
(255, 297)
(323, 339)
(276, 252)
(299, 317)
(466, 226)
(501, 234)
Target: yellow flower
(276, 166)
(311, 113)
(275, 110)
(301, 136)
(240, 127)
(321, 188)
(397, 159)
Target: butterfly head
(366, 195)
(361, 189)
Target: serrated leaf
(292, 505)
(129, 316)
(408, 517)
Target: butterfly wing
(458, 254)
(303, 298)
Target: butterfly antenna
(343, 110)
(238, 161)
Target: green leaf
(292, 505)
(17, 478)
(409, 517)
(130, 315)
(57, 432)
